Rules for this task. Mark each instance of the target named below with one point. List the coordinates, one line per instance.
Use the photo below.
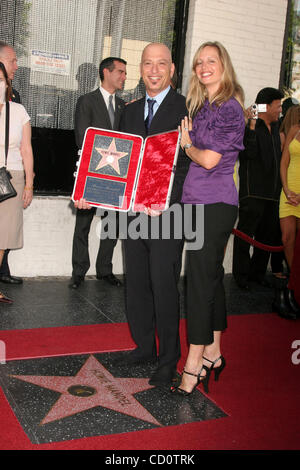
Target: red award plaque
(121, 171)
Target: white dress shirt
(106, 96)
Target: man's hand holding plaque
(82, 204)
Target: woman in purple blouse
(212, 141)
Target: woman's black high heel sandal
(217, 370)
(204, 379)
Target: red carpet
(259, 389)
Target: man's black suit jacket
(91, 111)
(168, 117)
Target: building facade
(54, 43)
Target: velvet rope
(255, 243)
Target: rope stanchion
(255, 243)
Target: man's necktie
(111, 111)
(150, 113)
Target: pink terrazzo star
(93, 386)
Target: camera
(258, 108)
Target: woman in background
(289, 213)
(289, 208)
(20, 166)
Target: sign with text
(50, 62)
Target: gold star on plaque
(110, 156)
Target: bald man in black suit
(153, 265)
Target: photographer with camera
(259, 189)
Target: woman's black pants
(206, 307)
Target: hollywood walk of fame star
(110, 156)
(92, 386)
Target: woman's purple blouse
(221, 129)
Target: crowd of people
(268, 206)
(216, 132)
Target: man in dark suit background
(153, 265)
(9, 59)
(102, 109)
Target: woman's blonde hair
(291, 118)
(229, 86)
